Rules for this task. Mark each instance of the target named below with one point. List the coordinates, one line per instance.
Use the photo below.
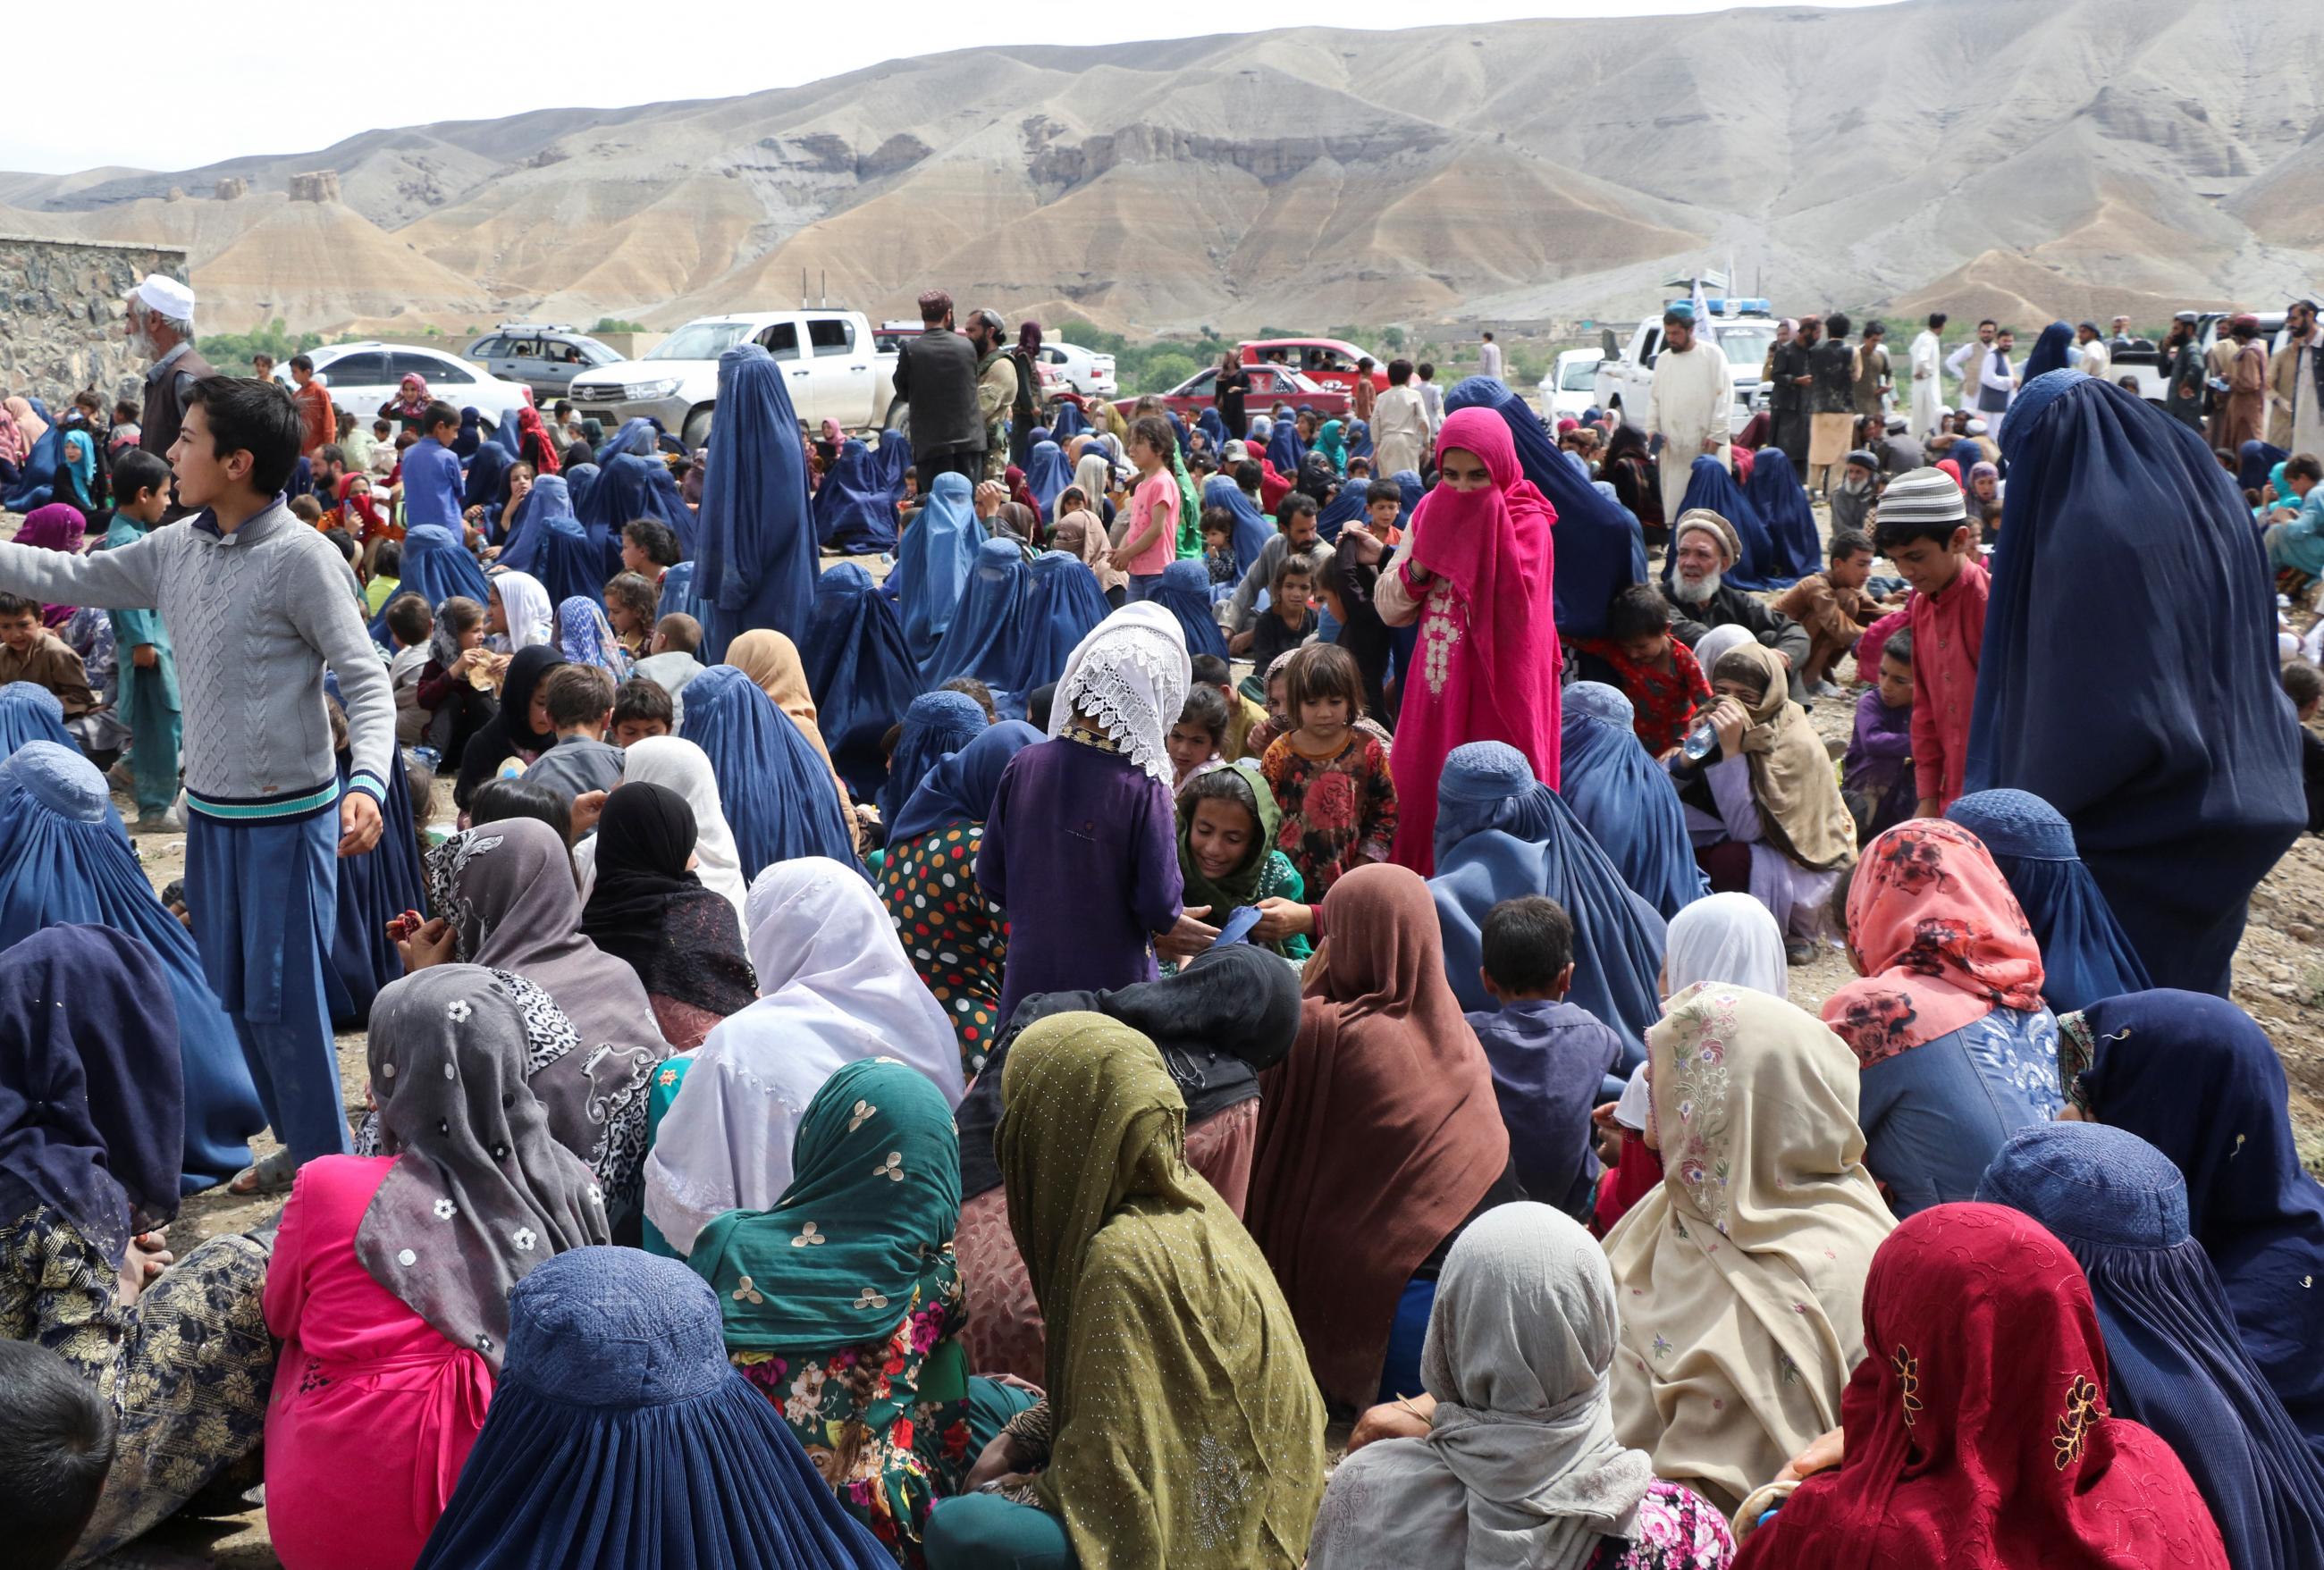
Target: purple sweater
(1094, 873)
(1880, 762)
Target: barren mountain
(2026, 158)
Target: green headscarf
(1329, 444)
(1240, 887)
(1188, 1430)
(867, 1222)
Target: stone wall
(60, 313)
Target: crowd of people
(900, 1052)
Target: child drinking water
(1330, 779)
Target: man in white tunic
(1928, 387)
(2296, 383)
(1688, 407)
(1399, 423)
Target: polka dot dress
(958, 942)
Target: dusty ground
(2278, 978)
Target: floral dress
(958, 940)
(855, 1409)
(187, 1367)
(1339, 812)
(1678, 1530)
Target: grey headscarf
(481, 1192)
(1520, 1470)
(507, 888)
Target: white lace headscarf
(1130, 674)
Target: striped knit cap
(1922, 496)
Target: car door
(360, 382)
(843, 372)
(490, 353)
(1194, 394)
(520, 360)
(782, 341)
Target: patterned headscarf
(1130, 675)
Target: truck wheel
(697, 434)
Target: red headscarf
(1953, 467)
(1938, 940)
(1378, 1135)
(359, 515)
(1979, 1434)
(1488, 658)
(532, 434)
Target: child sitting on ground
(641, 709)
(30, 652)
(1196, 735)
(1550, 1058)
(580, 704)
(1243, 715)
(1640, 658)
(386, 575)
(1876, 776)
(1290, 618)
(410, 630)
(1330, 779)
(1226, 856)
(1834, 607)
(1218, 547)
(629, 603)
(455, 691)
(2304, 683)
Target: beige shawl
(1741, 1277)
(1800, 809)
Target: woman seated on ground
(1946, 1020)
(504, 899)
(1740, 1277)
(64, 858)
(2194, 1076)
(1521, 1339)
(957, 939)
(1380, 1137)
(1979, 1431)
(1231, 1013)
(1606, 775)
(853, 1270)
(1765, 815)
(618, 1406)
(935, 724)
(519, 730)
(833, 986)
(682, 767)
(2174, 1363)
(781, 797)
(772, 661)
(90, 1116)
(390, 1281)
(647, 908)
(2086, 956)
(1179, 1428)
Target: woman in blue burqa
(755, 559)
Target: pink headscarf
(1488, 656)
(58, 527)
(15, 446)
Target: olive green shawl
(1188, 1432)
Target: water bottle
(1701, 743)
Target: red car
(1326, 361)
(1269, 385)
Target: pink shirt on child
(1947, 633)
(1157, 493)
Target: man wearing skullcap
(1688, 406)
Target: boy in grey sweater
(256, 603)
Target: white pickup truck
(1626, 374)
(837, 371)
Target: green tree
(1392, 340)
(1163, 371)
(616, 325)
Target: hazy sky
(294, 78)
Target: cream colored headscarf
(1741, 1277)
(771, 661)
(1800, 809)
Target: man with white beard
(1687, 408)
(1928, 388)
(1706, 546)
(160, 327)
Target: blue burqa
(1774, 493)
(486, 485)
(1598, 553)
(629, 486)
(1208, 422)
(374, 888)
(777, 790)
(36, 481)
(962, 786)
(2049, 352)
(892, 461)
(2195, 1077)
(1709, 486)
(636, 437)
(757, 551)
(933, 564)
(1285, 450)
(854, 514)
(2129, 676)
(1068, 424)
(63, 858)
(1500, 833)
(1047, 474)
(619, 1438)
(2174, 1363)
(436, 567)
(1064, 606)
(936, 723)
(1184, 592)
(1625, 799)
(1347, 505)
(1251, 529)
(859, 671)
(987, 635)
(31, 712)
(581, 479)
(551, 544)
(2085, 955)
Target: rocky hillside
(2018, 157)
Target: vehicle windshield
(1578, 376)
(700, 341)
(1745, 346)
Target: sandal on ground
(270, 1175)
